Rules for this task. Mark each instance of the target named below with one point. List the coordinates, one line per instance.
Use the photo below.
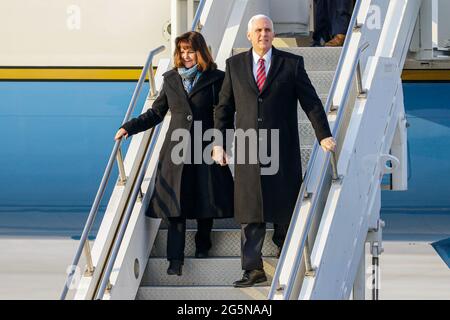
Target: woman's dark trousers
(177, 235)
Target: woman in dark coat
(187, 189)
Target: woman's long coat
(208, 189)
(261, 197)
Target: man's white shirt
(267, 59)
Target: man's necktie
(261, 74)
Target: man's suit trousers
(252, 240)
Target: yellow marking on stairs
(269, 268)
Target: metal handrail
(124, 224)
(198, 13)
(303, 249)
(329, 156)
(84, 245)
(353, 25)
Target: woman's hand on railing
(121, 133)
(328, 144)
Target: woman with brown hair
(187, 190)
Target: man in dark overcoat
(331, 20)
(261, 90)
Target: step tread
(210, 271)
(226, 243)
(202, 293)
(316, 59)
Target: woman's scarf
(189, 77)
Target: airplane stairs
(337, 210)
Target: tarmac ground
(35, 268)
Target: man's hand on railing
(121, 133)
(328, 144)
(219, 155)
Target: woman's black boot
(175, 267)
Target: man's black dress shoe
(175, 267)
(251, 278)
